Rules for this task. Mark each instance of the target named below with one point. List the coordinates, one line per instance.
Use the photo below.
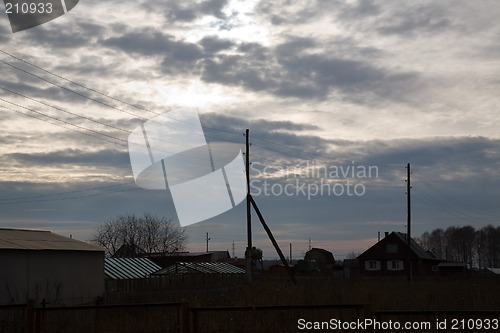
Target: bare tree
(150, 233)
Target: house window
(395, 265)
(391, 248)
(372, 265)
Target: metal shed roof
(201, 267)
(22, 239)
(129, 268)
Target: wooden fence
(180, 317)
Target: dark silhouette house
(389, 257)
(324, 259)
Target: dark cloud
(75, 35)
(189, 11)
(4, 33)
(463, 159)
(293, 13)
(213, 44)
(110, 158)
(410, 21)
(358, 10)
(151, 42)
(179, 57)
(291, 69)
(285, 136)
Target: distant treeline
(480, 248)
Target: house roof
(129, 268)
(416, 249)
(22, 239)
(201, 267)
(326, 255)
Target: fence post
(38, 315)
(184, 317)
(30, 315)
(194, 319)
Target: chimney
(386, 233)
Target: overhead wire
(66, 192)
(144, 109)
(98, 92)
(449, 197)
(70, 198)
(197, 161)
(441, 205)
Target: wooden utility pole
(251, 203)
(248, 252)
(208, 238)
(273, 241)
(408, 222)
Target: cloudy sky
(323, 86)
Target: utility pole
(248, 252)
(290, 253)
(233, 248)
(207, 241)
(251, 203)
(408, 222)
(309, 244)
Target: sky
(338, 96)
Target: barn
(41, 265)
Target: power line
(449, 197)
(76, 83)
(95, 91)
(129, 104)
(101, 93)
(441, 205)
(64, 193)
(72, 91)
(59, 125)
(65, 111)
(63, 121)
(193, 158)
(68, 198)
(144, 109)
(84, 117)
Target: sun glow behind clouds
(239, 25)
(194, 94)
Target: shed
(40, 265)
(323, 258)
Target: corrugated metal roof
(21, 239)
(129, 268)
(201, 267)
